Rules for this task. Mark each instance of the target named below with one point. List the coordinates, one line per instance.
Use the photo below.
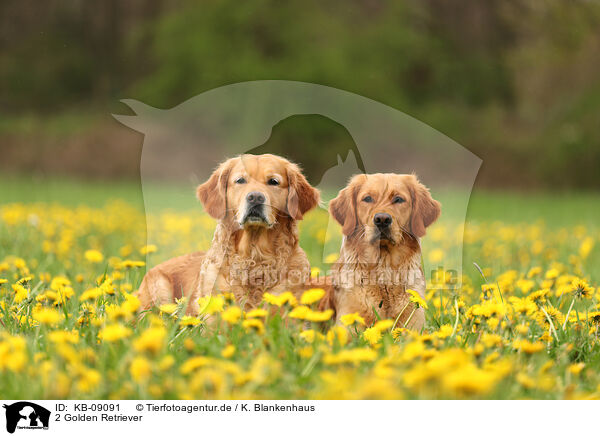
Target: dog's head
(383, 208)
(257, 191)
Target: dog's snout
(382, 220)
(255, 198)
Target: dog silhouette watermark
(188, 141)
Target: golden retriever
(257, 201)
(382, 218)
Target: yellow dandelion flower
(228, 351)
(444, 331)
(125, 250)
(525, 285)
(352, 318)
(114, 332)
(522, 306)
(315, 272)
(552, 273)
(90, 294)
(491, 340)
(147, 249)
(525, 381)
(384, 324)
(555, 315)
(20, 263)
(586, 247)
(306, 352)
(534, 272)
(152, 340)
(116, 313)
(254, 324)
(88, 380)
(131, 303)
(257, 313)
(189, 321)
(316, 316)
(13, 354)
(436, 255)
(280, 300)
(128, 264)
(581, 289)
(539, 297)
(469, 380)
(21, 293)
(311, 296)
(522, 329)
(47, 316)
(189, 344)
(24, 280)
(416, 298)
(372, 335)
(93, 256)
(331, 258)
(299, 312)
(310, 335)
(232, 315)
(166, 362)
(64, 337)
(594, 317)
(528, 347)
(169, 308)
(211, 304)
(576, 368)
(337, 334)
(140, 369)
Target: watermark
(189, 141)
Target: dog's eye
(368, 199)
(240, 180)
(273, 181)
(397, 200)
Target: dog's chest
(249, 279)
(387, 300)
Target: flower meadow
(524, 322)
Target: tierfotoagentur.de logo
(25, 415)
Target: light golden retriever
(382, 218)
(257, 201)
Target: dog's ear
(425, 210)
(302, 197)
(343, 207)
(213, 193)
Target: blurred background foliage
(515, 81)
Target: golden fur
(249, 255)
(373, 272)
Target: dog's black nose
(382, 220)
(255, 198)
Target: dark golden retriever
(383, 217)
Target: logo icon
(26, 415)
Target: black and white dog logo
(26, 415)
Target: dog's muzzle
(383, 236)
(383, 226)
(255, 209)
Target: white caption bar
(90, 418)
